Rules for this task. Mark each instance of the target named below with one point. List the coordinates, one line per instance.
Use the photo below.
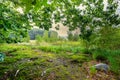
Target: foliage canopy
(83, 14)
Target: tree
(91, 20)
(92, 17)
(44, 12)
(13, 25)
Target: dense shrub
(52, 34)
(106, 38)
(34, 32)
(13, 37)
(48, 36)
(70, 36)
(73, 37)
(38, 38)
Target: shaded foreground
(49, 61)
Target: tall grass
(112, 56)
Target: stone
(2, 56)
(49, 60)
(101, 66)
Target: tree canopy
(83, 14)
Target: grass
(59, 49)
(109, 56)
(40, 62)
(59, 60)
(62, 46)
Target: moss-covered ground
(45, 61)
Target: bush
(52, 34)
(70, 36)
(34, 32)
(73, 37)
(12, 37)
(63, 38)
(38, 38)
(106, 38)
(48, 36)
